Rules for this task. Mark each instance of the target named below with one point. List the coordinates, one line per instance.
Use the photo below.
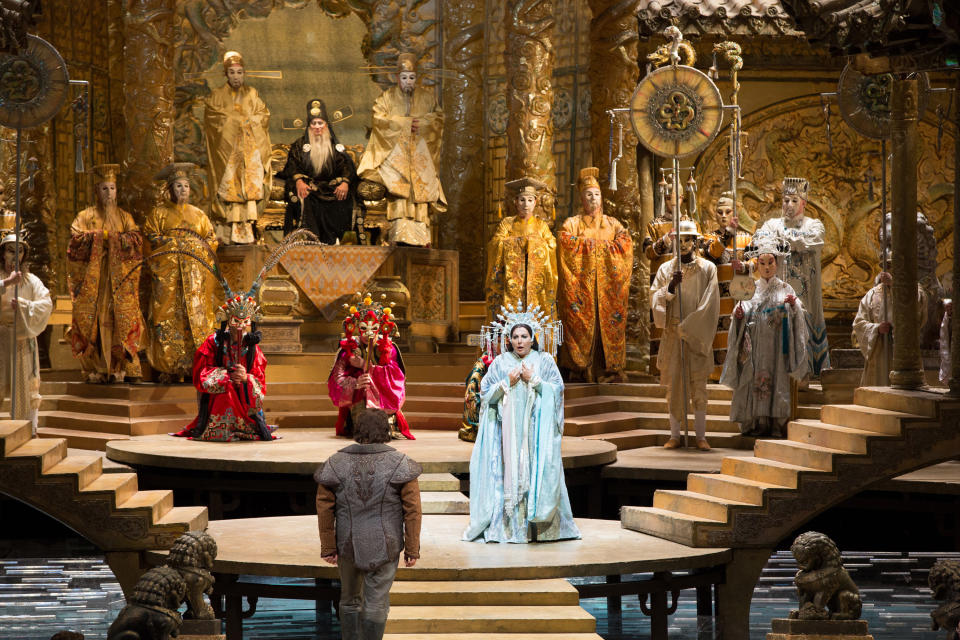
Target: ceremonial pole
(676, 251)
(884, 266)
(15, 359)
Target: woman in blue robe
(517, 490)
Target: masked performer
(103, 262)
(24, 300)
(236, 125)
(368, 373)
(805, 237)
(182, 302)
(722, 244)
(596, 260)
(691, 317)
(767, 348)
(522, 256)
(403, 155)
(517, 490)
(320, 180)
(658, 243)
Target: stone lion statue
(151, 612)
(824, 588)
(944, 581)
(192, 554)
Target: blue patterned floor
(40, 597)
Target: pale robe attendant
(517, 490)
(236, 125)
(946, 335)
(403, 154)
(700, 301)
(802, 269)
(870, 326)
(31, 308)
(767, 348)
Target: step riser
(17, 436)
(748, 469)
(714, 485)
(826, 437)
(773, 450)
(534, 625)
(572, 428)
(892, 401)
(659, 525)
(690, 506)
(157, 504)
(848, 417)
(504, 598)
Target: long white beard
(321, 151)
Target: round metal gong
(676, 111)
(865, 101)
(33, 85)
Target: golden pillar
(907, 370)
(149, 82)
(955, 319)
(462, 171)
(614, 74)
(529, 60)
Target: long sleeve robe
(522, 266)
(517, 489)
(867, 336)
(766, 348)
(33, 311)
(387, 391)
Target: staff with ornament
(369, 372)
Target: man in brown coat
(368, 508)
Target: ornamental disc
(33, 85)
(676, 111)
(865, 101)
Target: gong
(865, 101)
(33, 84)
(676, 111)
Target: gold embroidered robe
(104, 249)
(522, 266)
(405, 163)
(595, 268)
(184, 293)
(236, 127)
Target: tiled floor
(40, 597)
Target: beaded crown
(547, 332)
(239, 306)
(796, 186)
(767, 243)
(365, 308)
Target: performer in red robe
(368, 373)
(229, 371)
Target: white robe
(766, 348)
(867, 336)
(946, 335)
(34, 310)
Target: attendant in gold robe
(103, 263)
(726, 241)
(522, 256)
(183, 292)
(596, 258)
(236, 126)
(403, 154)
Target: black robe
(323, 214)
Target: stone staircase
(106, 508)
(757, 500)
(440, 493)
(488, 610)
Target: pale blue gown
(517, 490)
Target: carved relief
(789, 138)
(428, 293)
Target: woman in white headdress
(517, 490)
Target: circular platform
(301, 451)
(290, 547)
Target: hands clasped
(523, 372)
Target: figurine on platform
(596, 260)
(192, 555)
(824, 588)
(517, 490)
(403, 154)
(368, 511)
(723, 243)
(873, 326)
(320, 179)
(236, 124)
(767, 347)
(805, 237)
(691, 317)
(369, 372)
(183, 293)
(151, 611)
(944, 583)
(522, 255)
(23, 299)
(103, 265)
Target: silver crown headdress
(768, 243)
(796, 187)
(548, 333)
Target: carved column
(529, 61)
(462, 171)
(614, 74)
(149, 82)
(955, 320)
(907, 370)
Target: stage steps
(106, 508)
(507, 609)
(440, 493)
(822, 460)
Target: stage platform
(301, 451)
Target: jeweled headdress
(175, 171)
(548, 333)
(365, 308)
(407, 62)
(232, 58)
(239, 306)
(589, 177)
(526, 187)
(796, 187)
(768, 243)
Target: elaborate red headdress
(365, 309)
